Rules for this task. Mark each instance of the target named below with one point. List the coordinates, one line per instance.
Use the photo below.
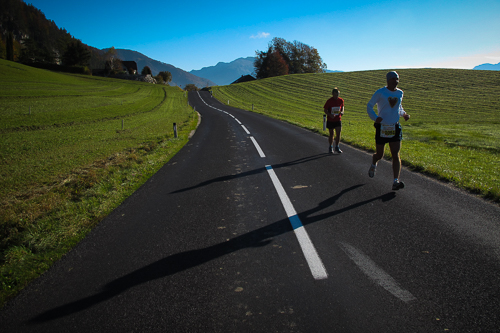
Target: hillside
(225, 73)
(439, 140)
(179, 77)
(73, 148)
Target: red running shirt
(334, 102)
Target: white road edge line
(313, 260)
(377, 274)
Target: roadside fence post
(175, 130)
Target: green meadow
(72, 148)
(453, 133)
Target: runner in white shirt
(388, 129)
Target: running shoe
(371, 172)
(398, 185)
(337, 149)
(330, 150)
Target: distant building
(244, 78)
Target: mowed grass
(453, 133)
(86, 144)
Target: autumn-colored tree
(270, 63)
(283, 58)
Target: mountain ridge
(488, 67)
(225, 73)
(179, 76)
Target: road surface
(254, 227)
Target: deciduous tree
(270, 63)
(166, 76)
(283, 58)
(191, 87)
(112, 60)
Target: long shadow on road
(253, 172)
(185, 260)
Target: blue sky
(349, 35)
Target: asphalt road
(254, 227)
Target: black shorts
(382, 141)
(333, 124)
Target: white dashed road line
(377, 274)
(313, 260)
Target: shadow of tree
(185, 260)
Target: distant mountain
(489, 67)
(179, 77)
(226, 73)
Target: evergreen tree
(76, 54)
(146, 70)
(10, 46)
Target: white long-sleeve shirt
(388, 105)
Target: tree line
(28, 37)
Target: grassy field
(453, 133)
(72, 148)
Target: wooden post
(175, 130)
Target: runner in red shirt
(334, 109)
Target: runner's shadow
(306, 217)
(186, 260)
(252, 172)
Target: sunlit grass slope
(72, 148)
(453, 133)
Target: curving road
(254, 227)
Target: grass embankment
(68, 162)
(453, 133)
